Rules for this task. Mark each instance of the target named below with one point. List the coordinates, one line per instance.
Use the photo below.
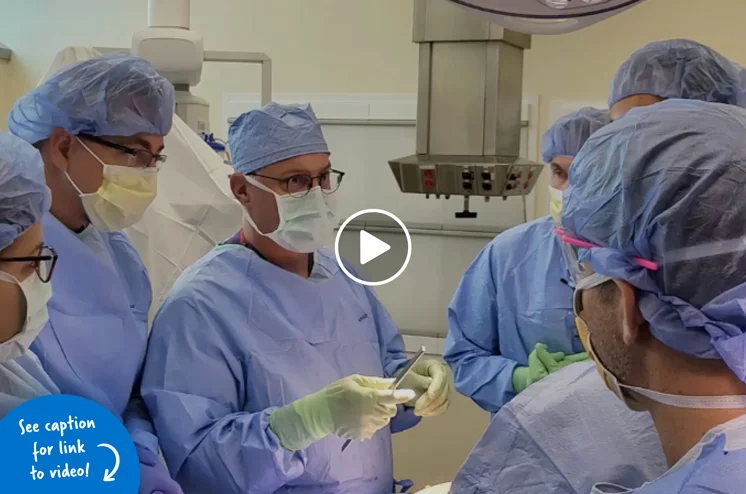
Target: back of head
(24, 197)
(569, 133)
(665, 183)
(109, 95)
(274, 133)
(682, 69)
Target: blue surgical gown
(94, 344)
(716, 465)
(561, 436)
(238, 337)
(511, 298)
(23, 379)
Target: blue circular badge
(66, 444)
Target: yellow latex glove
(355, 407)
(432, 382)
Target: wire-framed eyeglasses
(301, 184)
(138, 158)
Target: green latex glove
(432, 382)
(541, 363)
(554, 362)
(355, 407)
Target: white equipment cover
(194, 209)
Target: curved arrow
(109, 476)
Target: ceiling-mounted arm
(546, 16)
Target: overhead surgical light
(546, 16)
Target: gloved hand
(541, 363)
(556, 361)
(355, 407)
(432, 383)
(154, 477)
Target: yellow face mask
(123, 197)
(555, 204)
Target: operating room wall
(360, 46)
(352, 46)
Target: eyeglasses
(138, 158)
(300, 185)
(569, 247)
(44, 263)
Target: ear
(633, 320)
(240, 188)
(58, 148)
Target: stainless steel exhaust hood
(468, 108)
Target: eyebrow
(144, 143)
(298, 171)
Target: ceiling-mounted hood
(468, 108)
(546, 16)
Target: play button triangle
(371, 247)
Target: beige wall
(359, 46)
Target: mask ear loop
(9, 278)
(252, 181)
(256, 183)
(67, 174)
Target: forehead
(562, 161)
(308, 163)
(150, 142)
(27, 244)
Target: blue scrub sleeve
(393, 356)
(194, 387)
(473, 345)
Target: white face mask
(37, 295)
(555, 204)
(731, 402)
(306, 223)
(123, 197)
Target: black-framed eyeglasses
(139, 158)
(44, 263)
(300, 185)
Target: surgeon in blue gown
(510, 322)
(675, 69)
(660, 295)
(561, 436)
(265, 357)
(99, 125)
(26, 268)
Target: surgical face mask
(306, 223)
(37, 294)
(123, 197)
(678, 401)
(555, 204)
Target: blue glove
(154, 477)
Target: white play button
(371, 247)
(376, 245)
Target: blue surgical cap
(680, 68)
(665, 183)
(569, 133)
(274, 133)
(24, 196)
(110, 95)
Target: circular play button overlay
(376, 242)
